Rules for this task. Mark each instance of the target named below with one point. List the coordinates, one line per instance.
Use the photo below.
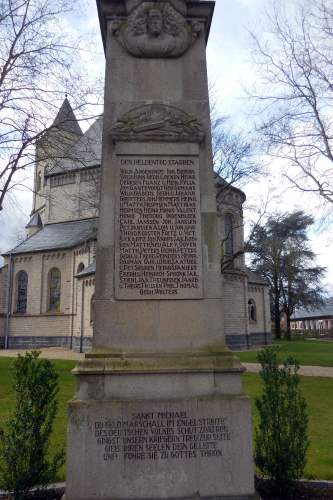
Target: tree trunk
(277, 317)
(288, 332)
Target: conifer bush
(25, 460)
(282, 435)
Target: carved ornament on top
(155, 30)
(157, 122)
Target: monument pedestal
(144, 428)
(159, 411)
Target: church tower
(52, 147)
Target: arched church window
(228, 235)
(54, 290)
(80, 267)
(92, 308)
(22, 292)
(252, 310)
(39, 181)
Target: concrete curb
(316, 483)
(55, 488)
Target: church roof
(86, 153)
(58, 236)
(66, 119)
(91, 269)
(255, 278)
(317, 312)
(223, 185)
(35, 221)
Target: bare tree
(235, 162)
(294, 57)
(38, 67)
(235, 156)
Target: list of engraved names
(159, 252)
(161, 435)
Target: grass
(307, 352)
(318, 393)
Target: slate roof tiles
(58, 236)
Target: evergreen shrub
(25, 460)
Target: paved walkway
(48, 352)
(62, 353)
(308, 371)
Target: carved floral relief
(156, 29)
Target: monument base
(238, 497)
(174, 433)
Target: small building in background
(314, 322)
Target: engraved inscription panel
(162, 435)
(158, 252)
(163, 448)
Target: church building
(47, 282)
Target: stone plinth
(146, 427)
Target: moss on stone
(206, 359)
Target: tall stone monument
(159, 411)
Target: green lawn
(307, 352)
(318, 392)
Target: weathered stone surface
(159, 411)
(158, 233)
(156, 29)
(157, 122)
(186, 448)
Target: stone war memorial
(159, 411)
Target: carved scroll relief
(156, 29)
(158, 122)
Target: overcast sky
(230, 70)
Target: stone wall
(63, 201)
(235, 310)
(3, 290)
(83, 320)
(44, 325)
(238, 233)
(85, 343)
(260, 330)
(240, 332)
(72, 196)
(38, 321)
(49, 149)
(259, 294)
(39, 327)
